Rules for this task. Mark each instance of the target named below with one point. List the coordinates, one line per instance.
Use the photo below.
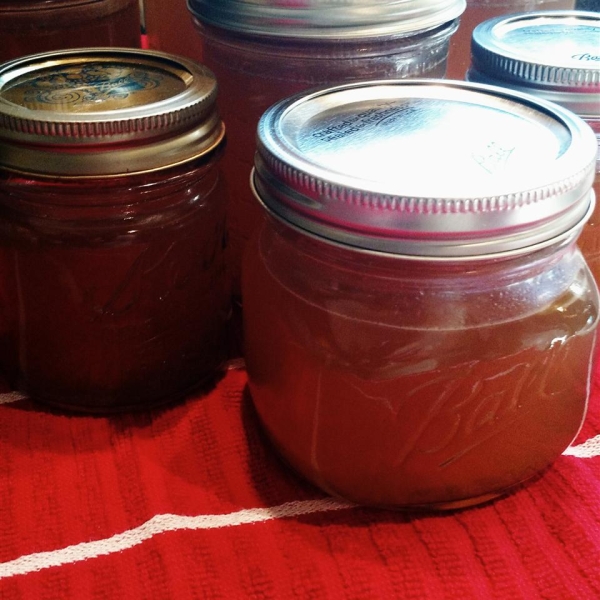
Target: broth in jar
(390, 382)
(112, 228)
(31, 26)
(418, 341)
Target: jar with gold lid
(31, 26)
(112, 216)
(419, 322)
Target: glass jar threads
(30, 26)
(553, 55)
(112, 218)
(419, 322)
(272, 49)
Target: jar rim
(387, 165)
(322, 19)
(552, 54)
(565, 237)
(105, 111)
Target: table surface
(191, 502)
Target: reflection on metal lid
(327, 18)
(553, 54)
(124, 110)
(425, 167)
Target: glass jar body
(589, 241)
(115, 293)
(268, 70)
(402, 383)
(37, 26)
(169, 28)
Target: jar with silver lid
(554, 55)
(419, 322)
(112, 218)
(262, 51)
(478, 11)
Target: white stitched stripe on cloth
(169, 522)
(11, 397)
(161, 524)
(589, 449)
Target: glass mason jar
(31, 26)
(476, 12)
(112, 228)
(272, 49)
(553, 55)
(419, 322)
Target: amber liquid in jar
(37, 26)
(120, 296)
(169, 28)
(269, 70)
(402, 383)
(589, 241)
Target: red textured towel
(190, 502)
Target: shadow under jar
(552, 55)
(31, 26)
(262, 52)
(420, 325)
(112, 228)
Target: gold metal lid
(97, 112)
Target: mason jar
(554, 55)
(476, 12)
(263, 51)
(419, 322)
(112, 228)
(31, 26)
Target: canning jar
(31, 26)
(419, 322)
(476, 12)
(112, 228)
(263, 51)
(553, 55)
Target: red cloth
(191, 502)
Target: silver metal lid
(425, 167)
(326, 18)
(104, 111)
(552, 54)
